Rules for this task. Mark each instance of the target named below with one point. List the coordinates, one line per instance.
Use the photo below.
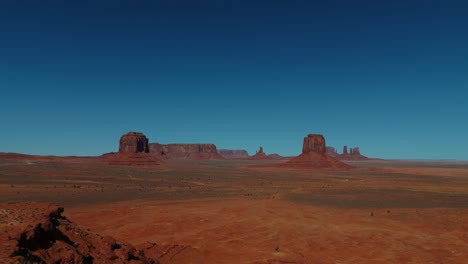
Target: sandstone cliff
(331, 151)
(259, 155)
(354, 153)
(185, 151)
(345, 150)
(314, 155)
(133, 151)
(133, 142)
(234, 153)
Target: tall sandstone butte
(355, 151)
(314, 155)
(133, 142)
(260, 155)
(345, 150)
(314, 143)
(133, 151)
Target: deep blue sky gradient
(388, 76)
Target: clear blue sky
(388, 76)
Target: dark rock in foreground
(39, 233)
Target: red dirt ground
(380, 212)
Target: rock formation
(355, 151)
(354, 154)
(331, 151)
(275, 156)
(259, 155)
(133, 142)
(133, 151)
(234, 153)
(314, 143)
(185, 151)
(314, 155)
(39, 233)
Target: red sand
(384, 212)
(315, 160)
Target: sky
(388, 76)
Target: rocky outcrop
(185, 151)
(314, 143)
(133, 142)
(355, 151)
(260, 155)
(133, 151)
(354, 154)
(234, 153)
(314, 155)
(331, 151)
(39, 233)
(345, 150)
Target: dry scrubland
(233, 212)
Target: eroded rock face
(314, 143)
(190, 151)
(314, 155)
(354, 154)
(133, 142)
(260, 154)
(355, 151)
(260, 151)
(331, 151)
(133, 151)
(44, 235)
(345, 150)
(234, 153)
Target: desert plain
(240, 211)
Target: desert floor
(379, 212)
